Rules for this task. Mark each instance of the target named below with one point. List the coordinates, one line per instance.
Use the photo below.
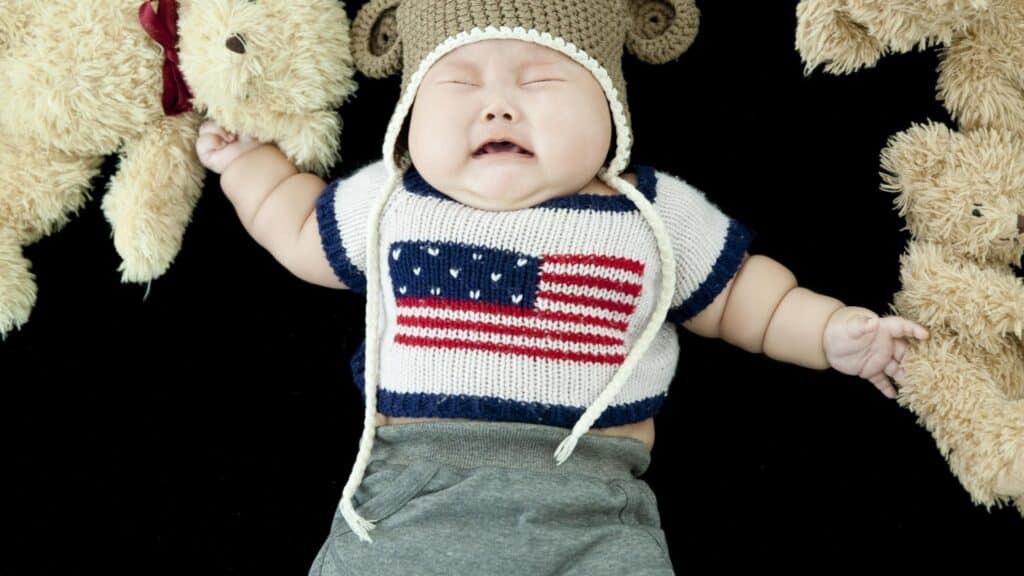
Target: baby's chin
(502, 200)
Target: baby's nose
(236, 43)
(506, 116)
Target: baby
(520, 281)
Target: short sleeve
(342, 210)
(708, 245)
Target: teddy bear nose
(236, 44)
(1020, 223)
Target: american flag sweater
(525, 315)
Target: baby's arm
(762, 309)
(275, 202)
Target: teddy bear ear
(376, 46)
(918, 155)
(661, 30)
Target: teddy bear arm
(905, 25)
(827, 35)
(314, 145)
(989, 95)
(150, 199)
(939, 294)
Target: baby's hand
(859, 343)
(217, 149)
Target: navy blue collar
(646, 184)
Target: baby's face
(510, 90)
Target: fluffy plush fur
(81, 80)
(962, 194)
(982, 48)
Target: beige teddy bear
(962, 195)
(980, 80)
(82, 79)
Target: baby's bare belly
(642, 431)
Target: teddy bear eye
(976, 212)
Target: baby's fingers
(210, 127)
(207, 144)
(899, 348)
(903, 328)
(883, 384)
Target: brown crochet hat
(411, 35)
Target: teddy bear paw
(146, 251)
(1010, 481)
(17, 291)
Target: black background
(210, 427)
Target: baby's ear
(376, 47)
(661, 30)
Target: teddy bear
(85, 79)
(962, 195)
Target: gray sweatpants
(481, 498)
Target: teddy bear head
(269, 68)
(964, 191)
(846, 35)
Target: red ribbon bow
(162, 26)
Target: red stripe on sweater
(530, 351)
(628, 288)
(558, 335)
(597, 260)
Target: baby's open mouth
(503, 147)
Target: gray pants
(481, 498)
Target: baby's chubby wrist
(256, 172)
(844, 313)
(250, 157)
(838, 326)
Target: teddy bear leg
(975, 426)
(38, 192)
(151, 197)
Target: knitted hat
(412, 35)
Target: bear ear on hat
(376, 45)
(661, 30)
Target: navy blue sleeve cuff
(330, 239)
(737, 240)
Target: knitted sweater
(525, 315)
